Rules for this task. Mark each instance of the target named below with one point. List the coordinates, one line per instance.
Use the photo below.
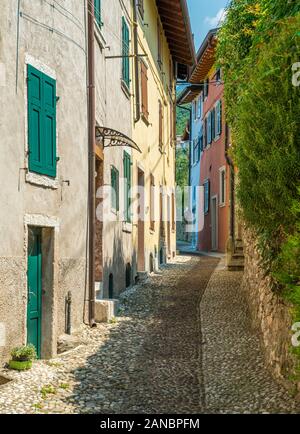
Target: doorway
(214, 223)
(141, 221)
(34, 274)
(111, 287)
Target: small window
(125, 53)
(97, 12)
(222, 186)
(206, 196)
(218, 75)
(200, 107)
(114, 188)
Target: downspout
(92, 162)
(232, 183)
(136, 62)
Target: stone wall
(270, 313)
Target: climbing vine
(258, 45)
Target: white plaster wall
(60, 52)
(113, 109)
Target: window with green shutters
(219, 118)
(125, 53)
(127, 187)
(209, 128)
(206, 186)
(97, 12)
(41, 122)
(115, 188)
(213, 124)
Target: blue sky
(204, 15)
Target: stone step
(236, 265)
(238, 255)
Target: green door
(34, 309)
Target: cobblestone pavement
(167, 352)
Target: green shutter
(125, 53)
(41, 123)
(127, 176)
(115, 188)
(97, 12)
(213, 124)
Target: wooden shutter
(127, 176)
(213, 124)
(144, 85)
(152, 201)
(41, 123)
(125, 53)
(97, 12)
(160, 127)
(209, 128)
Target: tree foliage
(258, 44)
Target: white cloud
(217, 20)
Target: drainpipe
(92, 162)
(136, 62)
(232, 182)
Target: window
(159, 45)
(218, 75)
(125, 53)
(206, 196)
(144, 90)
(141, 9)
(196, 150)
(41, 122)
(219, 118)
(222, 186)
(205, 133)
(160, 126)
(200, 107)
(115, 188)
(97, 12)
(152, 202)
(206, 88)
(213, 123)
(127, 187)
(201, 142)
(209, 128)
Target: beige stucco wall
(160, 164)
(113, 110)
(53, 40)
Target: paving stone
(183, 344)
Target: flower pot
(20, 366)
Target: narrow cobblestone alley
(182, 344)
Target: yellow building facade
(164, 50)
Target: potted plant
(22, 357)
